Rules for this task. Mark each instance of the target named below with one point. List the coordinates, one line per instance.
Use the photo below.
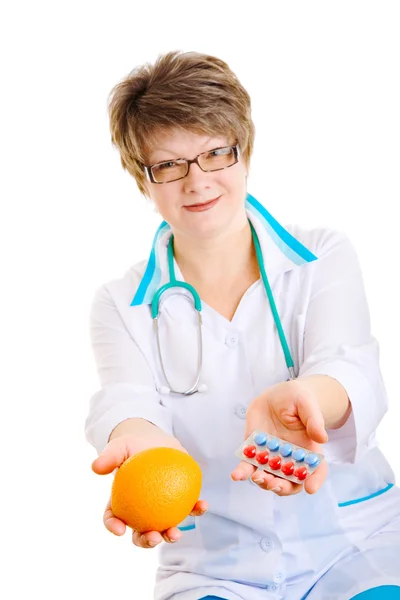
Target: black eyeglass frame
(149, 173)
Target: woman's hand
(117, 451)
(290, 411)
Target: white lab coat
(252, 542)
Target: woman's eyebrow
(171, 152)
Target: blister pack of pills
(276, 456)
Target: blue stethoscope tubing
(174, 284)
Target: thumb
(316, 431)
(112, 456)
(313, 420)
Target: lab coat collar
(281, 251)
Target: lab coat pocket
(182, 556)
(363, 516)
(233, 551)
(188, 524)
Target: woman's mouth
(202, 206)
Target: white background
(324, 79)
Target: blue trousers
(386, 592)
(383, 592)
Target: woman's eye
(167, 165)
(219, 152)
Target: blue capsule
(273, 444)
(260, 439)
(299, 454)
(286, 449)
(312, 460)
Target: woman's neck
(221, 260)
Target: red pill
(275, 462)
(287, 468)
(262, 457)
(301, 473)
(249, 451)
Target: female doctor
(235, 323)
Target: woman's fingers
(243, 471)
(114, 454)
(116, 526)
(266, 481)
(284, 487)
(151, 539)
(172, 535)
(199, 508)
(281, 487)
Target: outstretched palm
(290, 412)
(115, 453)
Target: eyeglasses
(212, 160)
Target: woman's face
(178, 201)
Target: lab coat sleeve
(338, 342)
(127, 384)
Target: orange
(156, 489)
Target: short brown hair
(187, 90)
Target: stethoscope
(174, 283)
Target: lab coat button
(267, 544)
(241, 411)
(279, 577)
(273, 588)
(231, 340)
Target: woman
(184, 131)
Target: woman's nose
(196, 179)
